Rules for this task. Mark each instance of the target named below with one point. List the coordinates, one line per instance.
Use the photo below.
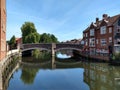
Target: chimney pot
(105, 16)
(97, 19)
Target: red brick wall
(103, 36)
(2, 29)
(98, 37)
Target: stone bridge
(52, 47)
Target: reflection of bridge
(51, 47)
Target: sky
(66, 19)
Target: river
(65, 76)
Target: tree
(32, 38)
(12, 42)
(28, 31)
(54, 39)
(48, 38)
(30, 35)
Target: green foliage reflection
(28, 75)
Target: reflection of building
(99, 35)
(2, 29)
(101, 76)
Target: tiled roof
(86, 29)
(110, 21)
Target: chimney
(105, 16)
(97, 19)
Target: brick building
(18, 42)
(101, 34)
(2, 29)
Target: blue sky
(66, 19)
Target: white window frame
(97, 41)
(110, 39)
(92, 32)
(103, 42)
(103, 30)
(92, 42)
(86, 42)
(110, 29)
(86, 35)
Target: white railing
(12, 52)
(9, 54)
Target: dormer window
(110, 29)
(103, 30)
(92, 31)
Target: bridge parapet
(50, 46)
(69, 46)
(36, 46)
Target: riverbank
(93, 57)
(98, 58)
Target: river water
(65, 76)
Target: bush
(117, 56)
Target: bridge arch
(33, 48)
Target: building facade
(102, 34)
(2, 29)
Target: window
(110, 30)
(96, 41)
(103, 42)
(92, 42)
(110, 39)
(118, 31)
(86, 43)
(103, 30)
(119, 22)
(86, 34)
(91, 32)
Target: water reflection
(64, 54)
(7, 74)
(59, 55)
(101, 76)
(28, 75)
(63, 76)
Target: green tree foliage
(29, 33)
(28, 75)
(54, 39)
(116, 56)
(12, 42)
(32, 38)
(48, 38)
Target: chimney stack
(97, 19)
(105, 16)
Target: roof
(18, 39)
(109, 20)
